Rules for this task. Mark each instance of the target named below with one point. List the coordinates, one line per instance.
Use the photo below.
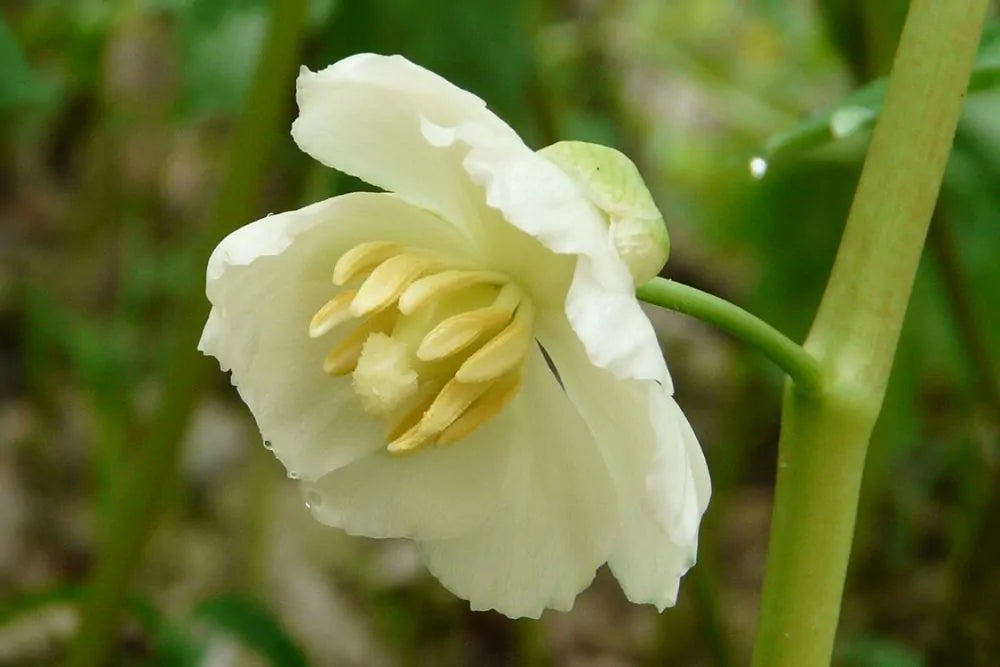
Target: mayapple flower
(461, 360)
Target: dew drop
(268, 446)
(314, 499)
(758, 167)
(293, 474)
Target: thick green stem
(795, 361)
(825, 436)
(138, 493)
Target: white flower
(524, 476)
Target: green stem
(799, 364)
(825, 436)
(138, 493)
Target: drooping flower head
(461, 360)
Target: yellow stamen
(454, 399)
(451, 402)
(409, 442)
(388, 281)
(363, 257)
(425, 396)
(438, 351)
(332, 313)
(343, 358)
(457, 332)
(423, 290)
(488, 406)
(504, 351)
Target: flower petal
(555, 522)
(538, 198)
(363, 115)
(434, 493)
(265, 281)
(657, 467)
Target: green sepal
(612, 183)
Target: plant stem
(792, 358)
(824, 437)
(138, 493)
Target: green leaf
(219, 51)
(859, 110)
(18, 83)
(253, 625)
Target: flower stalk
(801, 367)
(825, 436)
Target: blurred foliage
(117, 122)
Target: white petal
(657, 467)
(363, 115)
(541, 200)
(430, 494)
(555, 523)
(265, 281)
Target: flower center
(435, 351)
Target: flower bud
(611, 182)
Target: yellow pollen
(333, 312)
(363, 257)
(384, 285)
(432, 287)
(503, 352)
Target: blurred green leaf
(858, 111)
(219, 50)
(18, 83)
(479, 46)
(34, 600)
(863, 651)
(254, 626)
(185, 644)
(176, 646)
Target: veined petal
(362, 115)
(556, 520)
(265, 282)
(655, 462)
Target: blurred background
(136, 133)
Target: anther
(363, 257)
(488, 406)
(504, 351)
(423, 290)
(453, 400)
(384, 285)
(459, 331)
(331, 313)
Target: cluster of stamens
(435, 351)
